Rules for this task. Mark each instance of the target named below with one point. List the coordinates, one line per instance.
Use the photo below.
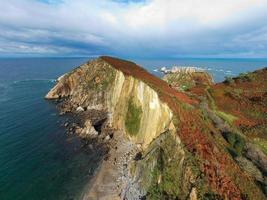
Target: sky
(134, 28)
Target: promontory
(208, 141)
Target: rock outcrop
(187, 77)
(130, 103)
(133, 106)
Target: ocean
(38, 161)
(218, 67)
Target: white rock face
(79, 109)
(112, 93)
(193, 194)
(88, 129)
(156, 116)
(182, 69)
(61, 77)
(107, 138)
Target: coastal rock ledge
(131, 104)
(162, 145)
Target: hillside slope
(179, 143)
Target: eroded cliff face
(136, 108)
(131, 104)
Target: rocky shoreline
(117, 151)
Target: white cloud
(145, 27)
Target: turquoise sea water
(37, 159)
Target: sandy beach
(112, 177)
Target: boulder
(88, 130)
(256, 156)
(107, 138)
(79, 109)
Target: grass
(238, 91)
(209, 92)
(229, 80)
(133, 118)
(226, 117)
(106, 77)
(237, 143)
(181, 80)
(261, 143)
(171, 177)
(106, 82)
(246, 76)
(211, 196)
(256, 114)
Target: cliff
(171, 146)
(131, 104)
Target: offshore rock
(187, 77)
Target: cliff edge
(165, 143)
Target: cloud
(136, 28)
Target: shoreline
(116, 152)
(115, 167)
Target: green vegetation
(186, 86)
(175, 172)
(246, 76)
(238, 91)
(211, 100)
(109, 77)
(183, 81)
(133, 118)
(235, 93)
(102, 80)
(229, 80)
(257, 133)
(211, 196)
(261, 143)
(226, 117)
(256, 114)
(166, 175)
(237, 143)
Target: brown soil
(245, 99)
(132, 69)
(222, 173)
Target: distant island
(180, 137)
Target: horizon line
(123, 57)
